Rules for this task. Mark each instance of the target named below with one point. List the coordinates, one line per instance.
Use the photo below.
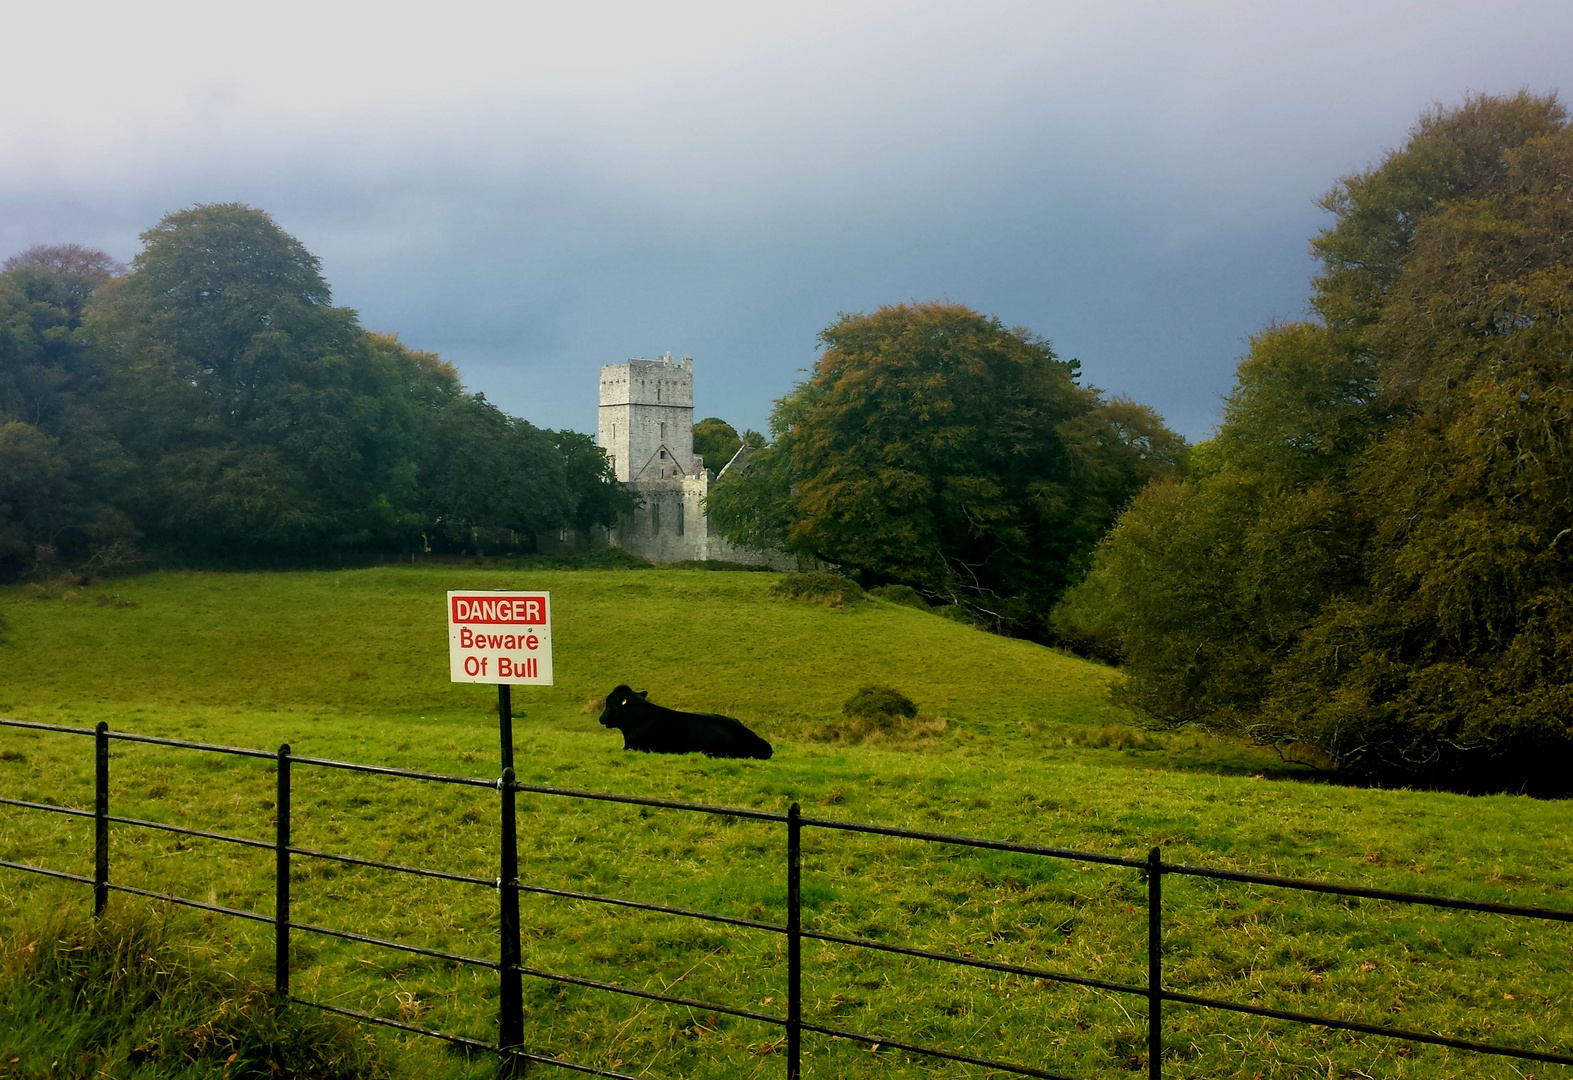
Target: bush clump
(880, 701)
(905, 595)
(820, 587)
(882, 714)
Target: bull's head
(616, 701)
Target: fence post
(281, 878)
(100, 817)
(794, 1026)
(510, 1003)
(505, 722)
(1155, 964)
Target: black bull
(646, 726)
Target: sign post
(504, 638)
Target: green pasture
(1012, 740)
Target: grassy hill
(374, 643)
(1012, 740)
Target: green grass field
(1012, 740)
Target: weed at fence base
(116, 994)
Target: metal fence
(511, 971)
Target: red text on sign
(492, 610)
(469, 639)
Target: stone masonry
(647, 429)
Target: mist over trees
(1372, 562)
(933, 447)
(212, 402)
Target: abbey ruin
(647, 429)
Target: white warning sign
(500, 637)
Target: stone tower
(647, 419)
(647, 429)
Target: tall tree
(934, 447)
(598, 497)
(257, 408)
(1382, 513)
(491, 480)
(716, 441)
(65, 475)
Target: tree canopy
(1371, 558)
(716, 441)
(212, 401)
(62, 469)
(933, 447)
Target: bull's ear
(644, 693)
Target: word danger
(497, 610)
(500, 637)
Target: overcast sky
(534, 193)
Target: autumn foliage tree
(1374, 557)
(936, 448)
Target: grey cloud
(1135, 182)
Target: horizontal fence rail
(510, 966)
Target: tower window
(655, 517)
(679, 519)
(663, 455)
(663, 429)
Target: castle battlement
(661, 381)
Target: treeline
(1371, 564)
(211, 403)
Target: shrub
(881, 714)
(905, 595)
(880, 701)
(820, 587)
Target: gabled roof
(655, 456)
(739, 459)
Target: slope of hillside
(1015, 741)
(374, 643)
